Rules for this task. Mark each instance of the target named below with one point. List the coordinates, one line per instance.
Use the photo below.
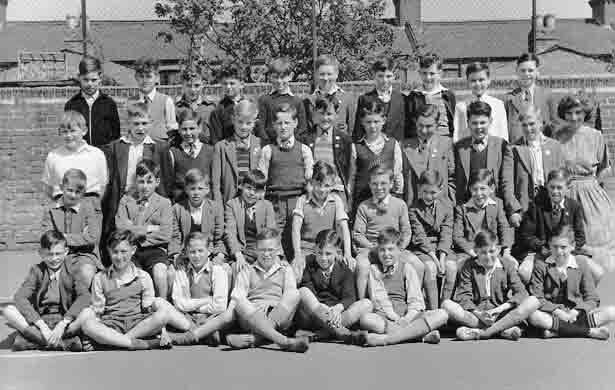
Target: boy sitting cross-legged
(399, 309)
(123, 308)
(265, 298)
(482, 304)
(328, 293)
(49, 300)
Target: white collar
(150, 95)
(496, 265)
(266, 274)
(439, 89)
(60, 204)
(336, 88)
(288, 143)
(287, 92)
(488, 202)
(388, 92)
(146, 140)
(571, 263)
(200, 208)
(91, 98)
(385, 201)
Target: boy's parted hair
(147, 65)
(429, 111)
(429, 59)
(51, 238)
(71, 118)
(485, 239)
(230, 72)
(389, 235)
(562, 174)
(482, 176)
(563, 231)
(379, 170)
(326, 60)
(119, 236)
(137, 110)
(476, 67)
(254, 178)
(245, 107)
(279, 66)
(194, 176)
(322, 170)
(570, 102)
(77, 177)
(146, 167)
(187, 114)
(430, 177)
(329, 237)
(383, 65)
(371, 106)
(323, 104)
(527, 110)
(479, 108)
(525, 57)
(89, 65)
(268, 234)
(285, 108)
(196, 236)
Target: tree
(259, 30)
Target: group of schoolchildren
(288, 221)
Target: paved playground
(496, 364)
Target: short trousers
(146, 258)
(52, 319)
(278, 317)
(123, 324)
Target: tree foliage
(249, 32)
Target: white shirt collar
(488, 202)
(336, 88)
(150, 95)
(287, 92)
(439, 89)
(60, 204)
(91, 98)
(497, 264)
(266, 274)
(286, 144)
(571, 263)
(199, 208)
(146, 140)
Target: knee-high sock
(322, 317)
(430, 286)
(415, 330)
(33, 334)
(511, 319)
(263, 327)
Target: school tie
(192, 151)
(527, 97)
(68, 219)
(556, 213)
(250, 213)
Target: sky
(432, 9)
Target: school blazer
(471, 293)
(395, 119)
(340, 288)
(499, 161)
(159, 212)
(117, 160)
(537, 226)
(552, 158)
(432, 233)
(74, 293)
(212, 225)
(514, 104)
(580, 288)
(234, 221)
(225, 177)
(440, 159)
(85, 230)
(415, 100)
(468, 224)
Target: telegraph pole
(84, 28)
(533, 36)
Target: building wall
(29, 119)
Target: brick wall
(29, 121)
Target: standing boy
(98, 109)
(192, 98)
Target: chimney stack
(3, 5)
(546, 36)
(603, 12)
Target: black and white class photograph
(307, 194)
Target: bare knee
(366, 305)
(449, 306)
(540, 319)
(160, 271)
(10, 311)
(529, 304)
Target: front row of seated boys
(55, 309)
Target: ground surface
(498, 365)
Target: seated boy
(81, 224)
(542, 217)
(431, 221)
(320, 210)
(149, 217)
(265, 299)
(567, 294)
(375, 214)
(200, 292)
(482, 304)
(197, 213)
(49, 300)
(245, 217)
(123, 309)
(328, 292)
(399, 309)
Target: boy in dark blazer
(198, 213)
(81, 224)
(549, 211)
(483, 151)
(244, 217)
(383, 71)
(569, 304)
(490, 298)
(193, 99)
(149, 217)
(98, 109)
(238, 153)
(428, 151)
(49, 300)
(328, 292)
(535, 155)
(526, 94)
